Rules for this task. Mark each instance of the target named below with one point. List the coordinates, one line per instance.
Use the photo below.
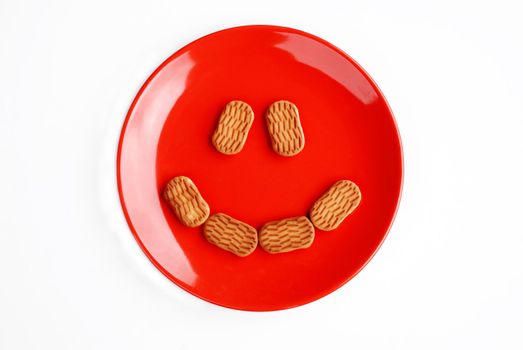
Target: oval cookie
(335, 205)
(283, 122)
(232, 129)
(186, 201)
(286, 235)
(231, 234)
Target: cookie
(335, 205)
(283, 122)
(232, 129)
(286, 235)
(230, 234)
(186, 201)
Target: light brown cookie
(285, 235)
(335, 205)
(283, 122)
(232, 129)
(186, 201)
(231, 234)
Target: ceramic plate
(350, 134)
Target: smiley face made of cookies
(280, 236)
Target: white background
(450, 274)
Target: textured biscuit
(335, 205)
(186, 201)
(283, 122)
(230, 234)
(232, 129)
(286, 235)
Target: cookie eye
(283, 122)
(233, 127)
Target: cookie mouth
(280, 236)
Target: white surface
(450, 274)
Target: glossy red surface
(350, 134)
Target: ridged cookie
(286, 235)
(230, 234)
(335, 205)
(283, 122)
(186, 201)
(232, 129)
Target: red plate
(350, 134)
